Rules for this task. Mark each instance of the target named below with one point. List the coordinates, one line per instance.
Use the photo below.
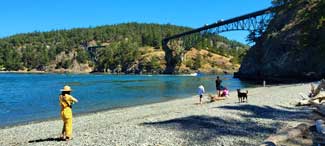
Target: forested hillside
(113, 48)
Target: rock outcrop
(292, 48)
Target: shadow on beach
(203, 129)
(268, 112)
(45, 140)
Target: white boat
(194, 74)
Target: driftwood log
(315, 99)
(319, 87)
(319, 99)
(316, 96)
(273, 140)
(316, 93)
(215, 98)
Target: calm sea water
(30, 97)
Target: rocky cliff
(292, 48)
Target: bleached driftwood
(320, 96)
(215, 98)
(303, 102)
(316, 96)
(273, 140)
(308, 102)
(319, 87)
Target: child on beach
(66, 101)
(224, 92)
(200, 92)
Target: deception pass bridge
(258, 20)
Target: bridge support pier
(169, 57)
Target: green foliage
(12, 59)
(2, 67)
(64, 64)
(153, 65)
(306, 29)
(35, 58)
(82, 56)
(106, 59)
(197, 62)
(313, 26)
(117, 55)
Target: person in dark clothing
(218, 85)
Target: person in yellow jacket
(66, 101)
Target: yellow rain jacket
(66, 113)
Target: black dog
(242, 96)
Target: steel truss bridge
(256, 21)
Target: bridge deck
(232, 20)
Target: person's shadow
(46, 139)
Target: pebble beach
(176, 122)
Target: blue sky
(21, 16)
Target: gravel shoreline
(176, 122)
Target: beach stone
(176, 122)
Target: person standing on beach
(66, 101)
(218, 85)
(200, 92)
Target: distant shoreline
(252, 80)
(45, 72)
(255, 81)
(23, 72)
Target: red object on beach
(225, 92)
